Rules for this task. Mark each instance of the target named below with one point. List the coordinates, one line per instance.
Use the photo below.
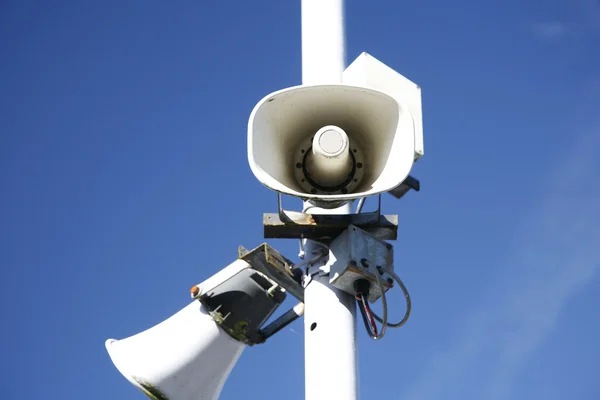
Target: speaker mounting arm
(273, 264)
(270, 262)
(408, 184)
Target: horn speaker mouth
(330, 143)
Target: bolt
(390, 281)
(194, 291)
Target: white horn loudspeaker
(190, 355)
(333, 143)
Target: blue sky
(124, 180)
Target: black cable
(370, 317)
(363, 312)
(361, 288)
(406, 297)
(384, 321)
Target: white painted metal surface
(329, 314)
(323, 41)
(186, 357)
(376, 125)
(369, 72)
(330, 343)
(330, 353)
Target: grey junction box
(355, 254)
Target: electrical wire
(301, 242)
(317, 255)
(321, 252)
(406, 297)
(383, 321)
(369, 313)
(367, 316)
(365, 310)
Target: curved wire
(369, 313)
(406, 296)
(367, 319)
(321, 244)
(317, 255)
(384, 322)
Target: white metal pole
(330, 343)
(330, 314)
(323, 41)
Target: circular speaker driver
(309, 185)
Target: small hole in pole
(298, 165)
(313, 326)
(359, 165)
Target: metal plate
(270, 262)
(325, 228)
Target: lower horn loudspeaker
(190, 355)
(187, 356)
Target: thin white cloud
(586, 21)
(550, 29)
(555, 253)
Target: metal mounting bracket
(326, 227)
(270, 262)
(408, 184)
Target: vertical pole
(323, 41)
(330, 314)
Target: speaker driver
(337, 167)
